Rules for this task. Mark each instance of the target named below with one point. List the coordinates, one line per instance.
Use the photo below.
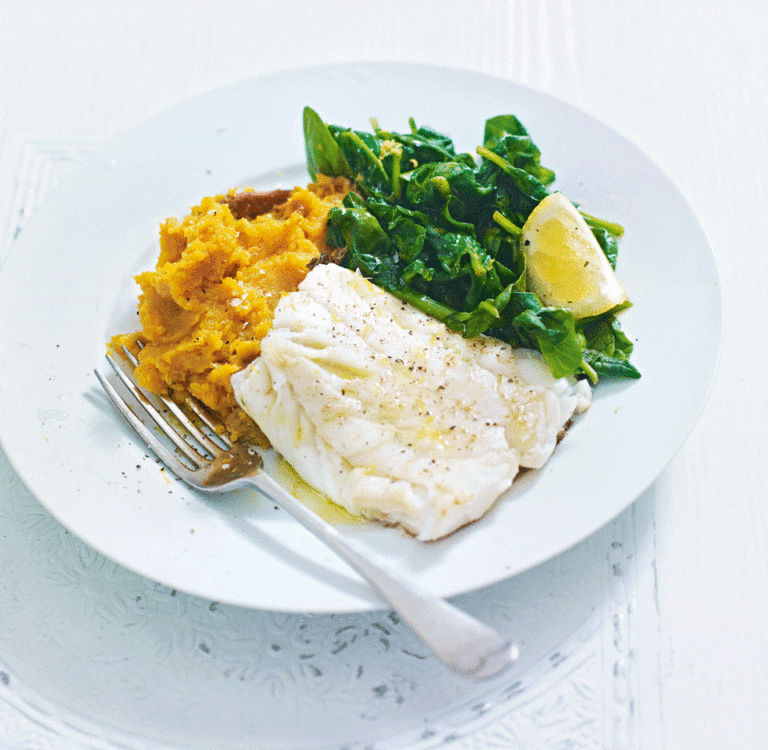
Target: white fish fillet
(391, 415)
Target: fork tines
(202, 442)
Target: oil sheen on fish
(392, 415)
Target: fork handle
(463, 643)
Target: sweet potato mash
(210, 300)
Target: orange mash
(210, 300)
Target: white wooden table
(653, 632)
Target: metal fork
(209, 461)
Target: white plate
(66, 287)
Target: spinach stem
(610, 226)
(396, 175)
(505, 223)
(495, 158)
(589, 371)
(422, 302)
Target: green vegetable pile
(441, 232)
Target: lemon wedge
(566, 265)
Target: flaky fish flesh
(393, 416)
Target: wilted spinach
(442, 232)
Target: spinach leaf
(551, 330)
(450, 193)
(369, 172)
(323, 153)
(423, 145)
(369, 247)
(606, 238)
(524, 181)
(608, 349)
(505, 136)
(485, 316)
(509, 258)
(442, 232)
(607, 366)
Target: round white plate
(67, 287)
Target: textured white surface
(92, 656)
(689, 615)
